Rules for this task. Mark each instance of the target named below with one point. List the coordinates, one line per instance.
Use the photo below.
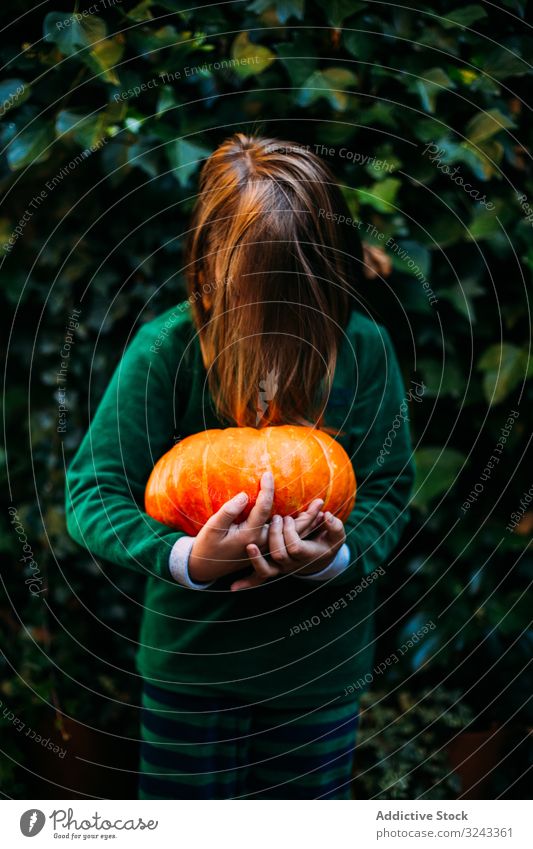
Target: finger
(253, 580)
(262, 570)
(305, 519)
(261, 565)
(334, 531)
(296, 548)
(276, 542)
(260, 512)
(316, 526)
(224, 518)
(246, 583)
(262, 539)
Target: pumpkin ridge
(330, 467)
(205, 478)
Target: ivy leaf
(436, 472)
(502, 64)
(487, 124)
(298, 57)
(504, 367)
(429, 86)
(103, 57)
(74, 34)
(463, 17)
(149, 41)
(166, 100)
(87, 130)
(442, 377)
(461, 296)
(330, 84)
(31, 146)
(382, 195)
(484, 225)
(338, 10)
(358, 44)
(185, 158)
(13, 92)
(70, 33)
(252, 58)
(142, 155)
(141, 12)
(284, 9)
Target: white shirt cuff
(340, 562)
(179, 564)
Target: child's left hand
(290, 553)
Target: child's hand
(290, 553)
(221, 545)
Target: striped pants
(205, 747)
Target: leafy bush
(422, 114)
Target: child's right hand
(220, 547)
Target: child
(253, 636)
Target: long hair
(271, 266)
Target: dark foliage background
(103, 233)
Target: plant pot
(473, 756)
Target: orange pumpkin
(198, 475)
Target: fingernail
(268, 478)
(276, 520)
(331, 518)
(241, 497)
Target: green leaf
(72, 33)
(185, 158)
(442, 377)
(141, 12)
(430, 84)
(484, 225)
(142, 156)
(149, 41)
(166, 100)
(87, 130)
(31, 146)
(103, 58)
(436, 472)
(13, 92)
(284, 9)
(504, 367)
(487, 124)
(402, 251)
(330, 84)
(382, 195)
(462, 295)
(378, 114)
(503, 63)
(298, 57)
(252, 58)
(463, 17)
(359, 44)
(485, 158)
(338, 10)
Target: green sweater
(292, 641)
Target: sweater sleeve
(381, 452)
(132, 427)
